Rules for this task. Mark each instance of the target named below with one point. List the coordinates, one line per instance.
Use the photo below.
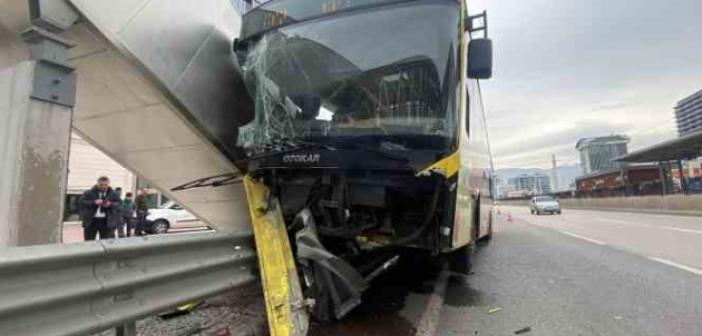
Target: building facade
(640, 180)
(536, 184)
(85, 164)
(688, 114)
(598, 154)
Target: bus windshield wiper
(291, 145)
(211, 181)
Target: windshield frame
(286, 19)
(445, 114)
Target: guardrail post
(128, 329)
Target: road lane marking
(681, 230)
(594, 241)
(577, 226)
(674, 264)
(614, 221)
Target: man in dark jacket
(142, 210)
(100, 214)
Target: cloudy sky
(567, 69)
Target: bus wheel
(488, 236)
(461, 260)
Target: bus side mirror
(480, 58)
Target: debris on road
(494, 310)
(224, 332)
(181, 310)
(617, 317)
(238, 312)
(522, 331)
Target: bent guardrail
(77, 289)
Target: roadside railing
(81, 288)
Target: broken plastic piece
(522, 331)
(494, 310)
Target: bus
(369, 136)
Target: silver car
(544, 204)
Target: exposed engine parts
(348, 227)
(345, 205)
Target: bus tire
(461, 260)
(488, 236)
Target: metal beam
(285, 305)
(154, 77)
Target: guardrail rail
(82, 288)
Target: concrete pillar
(664, 183)
(626, 182)
(34, 164)
(36, 100)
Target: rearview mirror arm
(471, 27)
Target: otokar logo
(301, 158)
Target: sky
(568, 69)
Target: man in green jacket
(128, 215)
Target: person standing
(99, 210)
(128, 215)
(142, 210)
(118, 208)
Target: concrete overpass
(156, 90)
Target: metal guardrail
(81, 288)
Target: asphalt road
(582, 273)
(404, 301)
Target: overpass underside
(156, 89)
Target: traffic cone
(509, 218)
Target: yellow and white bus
(368, 136)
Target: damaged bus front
(368, 141)
(366, 135)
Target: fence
(81, 288)
(671, 204)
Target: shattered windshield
(336, 79)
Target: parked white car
(167, 216)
